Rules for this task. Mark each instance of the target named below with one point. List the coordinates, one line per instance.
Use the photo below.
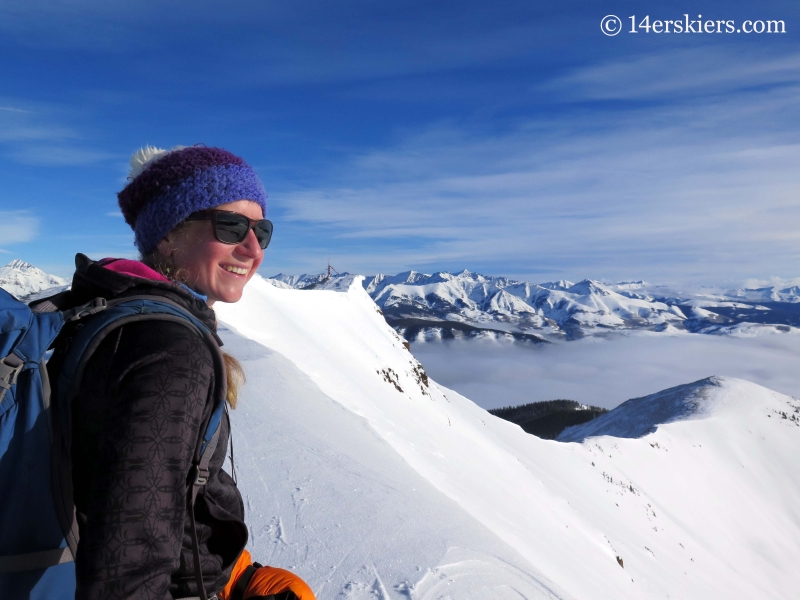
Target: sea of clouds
(607, 371)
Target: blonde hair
(234, 372)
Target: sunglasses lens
(231, 228)
(263, 230)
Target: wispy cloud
(59, 156)
(35, 136)
(779, 282)
(678, 73)
(17, 226)
(686, 190)
(22, 127)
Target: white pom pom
(146, 156)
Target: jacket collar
(92, 280)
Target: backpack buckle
(200, 476)
(84, 310)
(10, 366)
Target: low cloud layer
(607, 372)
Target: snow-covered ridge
(640, 416)
(561, 309)
(373, 481)
(23, 280)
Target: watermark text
(612, 25)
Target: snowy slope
(374, 482)
(22, 279)
(326, 496)
(640, 416)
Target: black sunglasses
(232, 227)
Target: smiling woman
(218, 270)
(152, 523)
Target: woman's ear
(167, 246)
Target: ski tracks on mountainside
(462, 575)
(470, 575)
(358, 590)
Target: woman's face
(219, 271)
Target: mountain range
(424, 307)
(427, 307)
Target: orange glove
(265, 582)
(271, 580)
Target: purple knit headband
(183, 182)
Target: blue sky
(508, 138)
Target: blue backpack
(38, 530)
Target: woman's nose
(250, 246)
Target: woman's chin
(228, 296)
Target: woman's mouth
(235, 270)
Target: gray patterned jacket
(136, 420)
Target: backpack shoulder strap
(198, 477)
(114, 314)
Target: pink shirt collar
(134, 268)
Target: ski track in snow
(373, 492)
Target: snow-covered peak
(562, 284)
(588, 287)
(279, 283)
(376, 283)
(640, 416)
(22, 279)
(631, 285)
(340, 283)
(307, 282)
(20, 265)
(295, 281)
